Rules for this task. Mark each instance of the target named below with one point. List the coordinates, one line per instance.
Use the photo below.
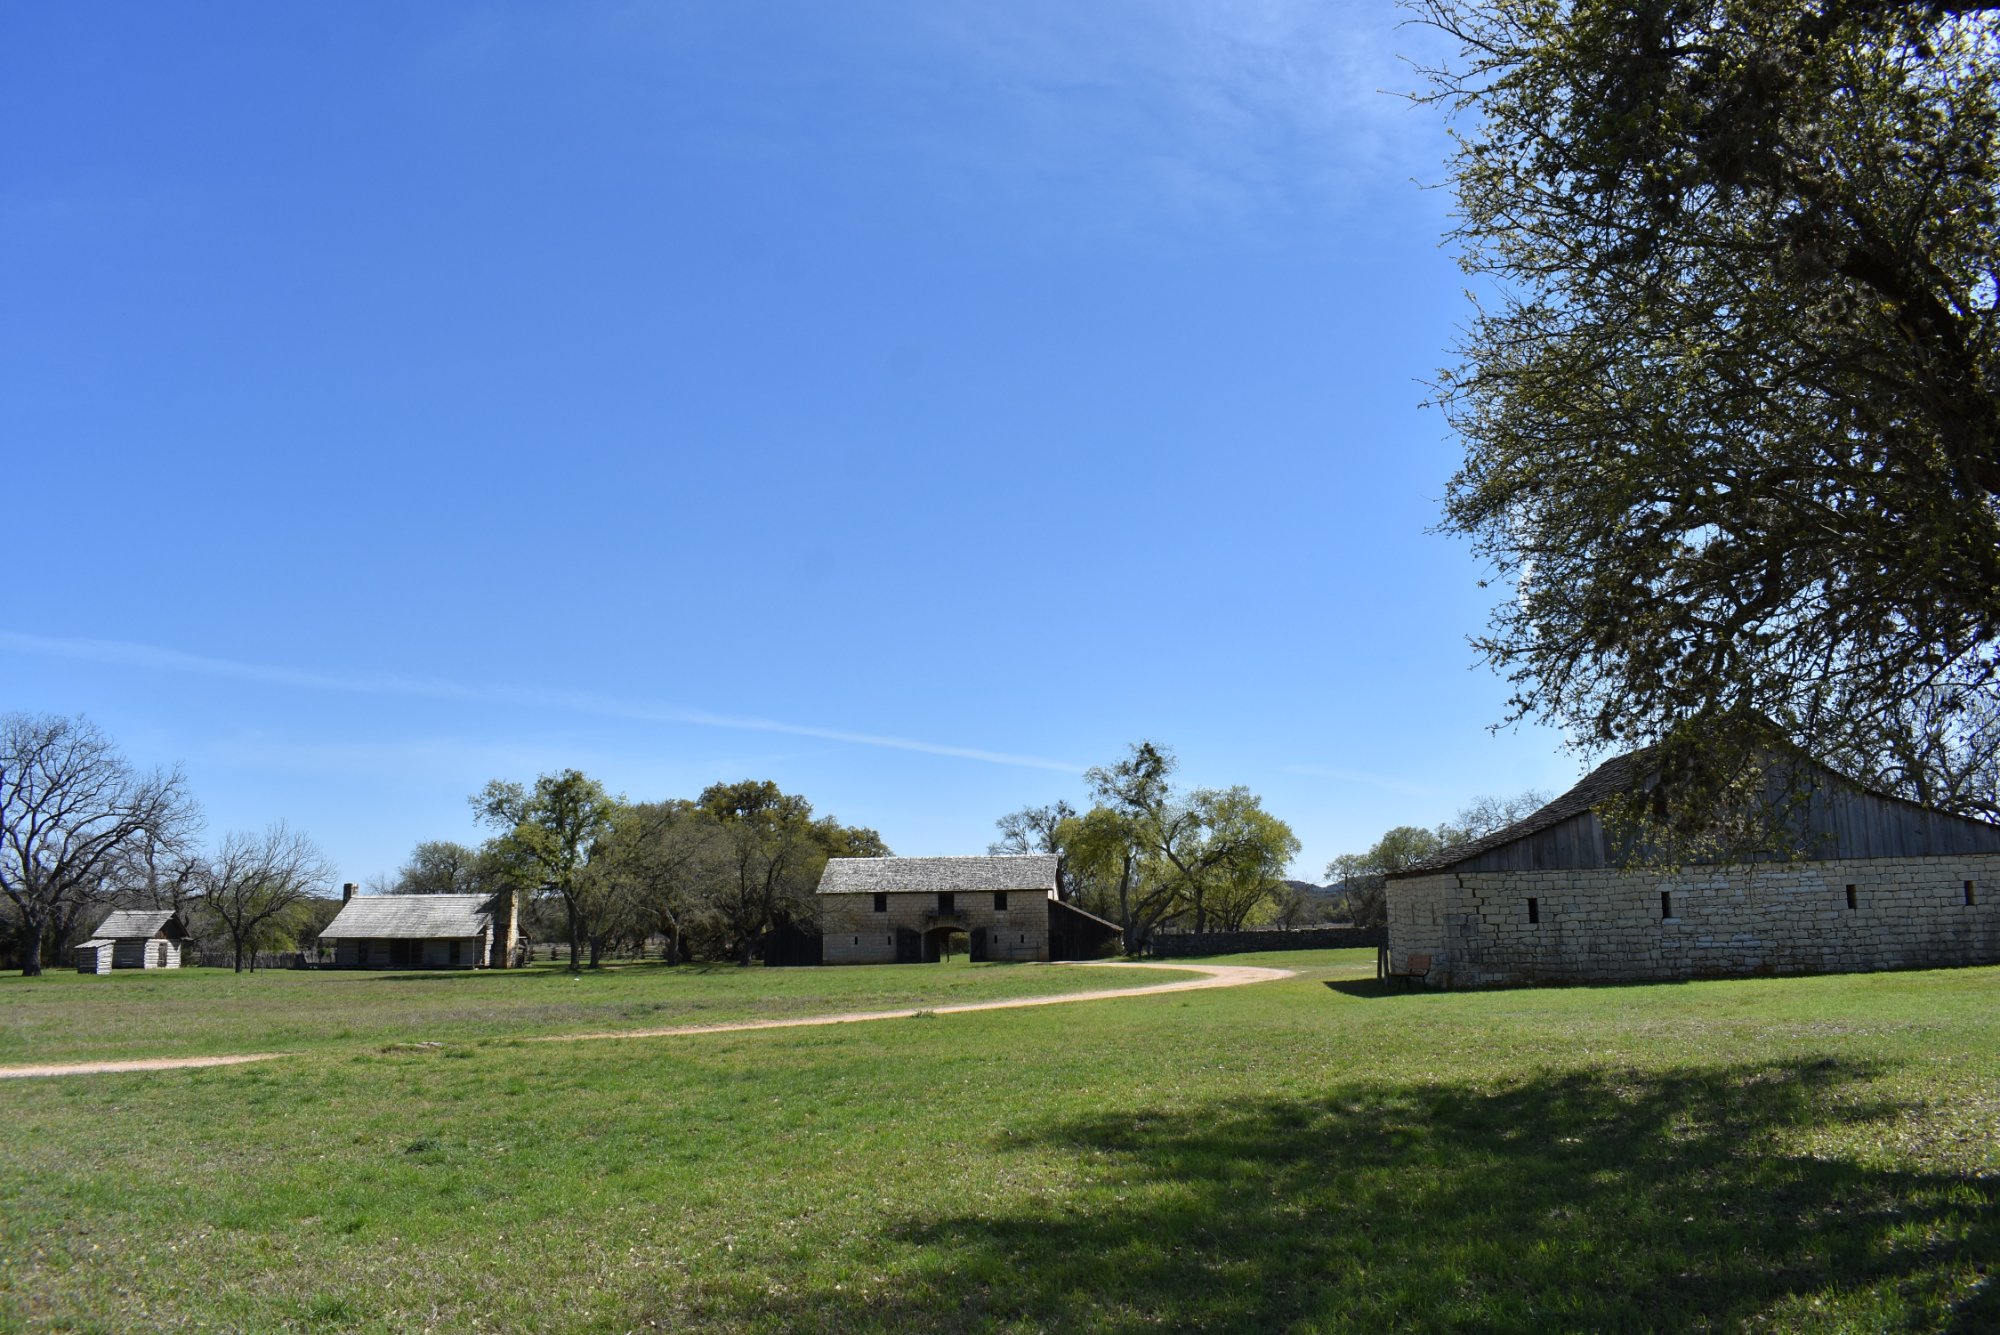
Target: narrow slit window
(1853, 900)
(1666, 903)
(1534, 909)
(1971, 894)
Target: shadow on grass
(1370, 987)
(1597, 1201)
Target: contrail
(158, 658)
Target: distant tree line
(1360, 879)
(1149, 856)
(710, 877)
(82, 832)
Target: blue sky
(910, 403)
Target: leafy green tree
(547, 835)
(1729, 401)
(443, 867)
(657, 859)
(1211, 855)
(773, 852)
(1363, 875)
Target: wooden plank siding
(1835, 822)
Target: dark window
(999, 901)
(360, 952)
(881, 903)
(453, 951)
(1534, 910)
(946, 903)
(857, 940)
(1971, 895)
(1666, 903)
(1853, 900)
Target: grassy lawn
(1801, 1154)
(195, 1012)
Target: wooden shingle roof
(850, 876)
(135, 924)
(410, 917)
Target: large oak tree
(1731, 396)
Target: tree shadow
(1598, 1200)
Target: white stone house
(1885, 884)
(906, 910)
(134, 939)
(421, 932)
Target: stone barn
(421, 931)
(906, 910)
(134, 939)
(1884, 884)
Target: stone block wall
(852, 932)
(1613, 926)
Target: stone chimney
(347, 891)
(506, 928)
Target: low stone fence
(1179, 945)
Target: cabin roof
(410, 917)
(1020, 871)
(135, 925)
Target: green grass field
(1315, 1154)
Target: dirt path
(1210, 975)
(1213, 975)
(142, 1064)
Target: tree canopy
(1211, 858)
(1729, 399)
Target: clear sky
(912, 403)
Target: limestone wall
(1609, 925)
(852, 932)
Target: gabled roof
(137, 924)
(1030, 871)
(1614, 776)
(410, 917)
(1909, 829)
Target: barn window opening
(453, 952)
(857, 940)
(1853, 900)
(881, 903)
(947, 902)
(1666, 903)
(1534, 909)
(999, 901)
(1971, 895)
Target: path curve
(1211, 975)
